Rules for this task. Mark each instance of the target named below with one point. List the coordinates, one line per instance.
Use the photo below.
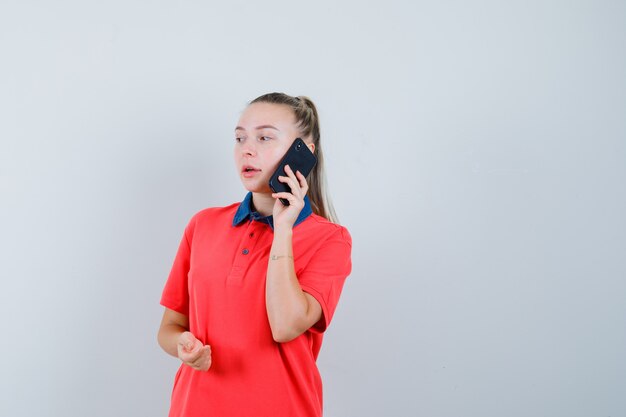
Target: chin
(257, 186)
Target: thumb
(187, 340)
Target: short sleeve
(175, 295)
(325, 274)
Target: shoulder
(214, 216)
(215, 212)
(321, 245)
(323, 230)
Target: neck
(263, 203)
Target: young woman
(254, 285)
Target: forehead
(257, 114)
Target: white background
(476, 151)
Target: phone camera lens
(298, 146)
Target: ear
(311, 147)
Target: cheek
(270, 155)
(274, 158)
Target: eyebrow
(259, 127)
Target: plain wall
(476, 151)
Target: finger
(204, 357)
(287, 196)
(302, 180)
(208, 359)
(189, 357)
(204, 351)
(207, 355)
(197, 347)
(293, 201)
(290, 173)
(298, 177)
(187, 340)
(293, 184)
(204, 365)
(194, 360)
(290, 176)
(195, 352)
(288, 170)
(207, 365)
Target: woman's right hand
(193, 353)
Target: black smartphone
(299, 158)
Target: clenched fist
(193, 353)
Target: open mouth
(249, 171)
(248, 168)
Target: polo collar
(244, 212)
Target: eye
(238, 139)
(264, 138)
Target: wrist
(277, 257)
(286, 231)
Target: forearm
(168, 338)
(285, 301)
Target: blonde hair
(309, 125)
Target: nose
(248, 148)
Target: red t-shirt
(218, 281)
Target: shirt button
(245, 251)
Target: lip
(249, 174)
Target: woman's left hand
(286, 216)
